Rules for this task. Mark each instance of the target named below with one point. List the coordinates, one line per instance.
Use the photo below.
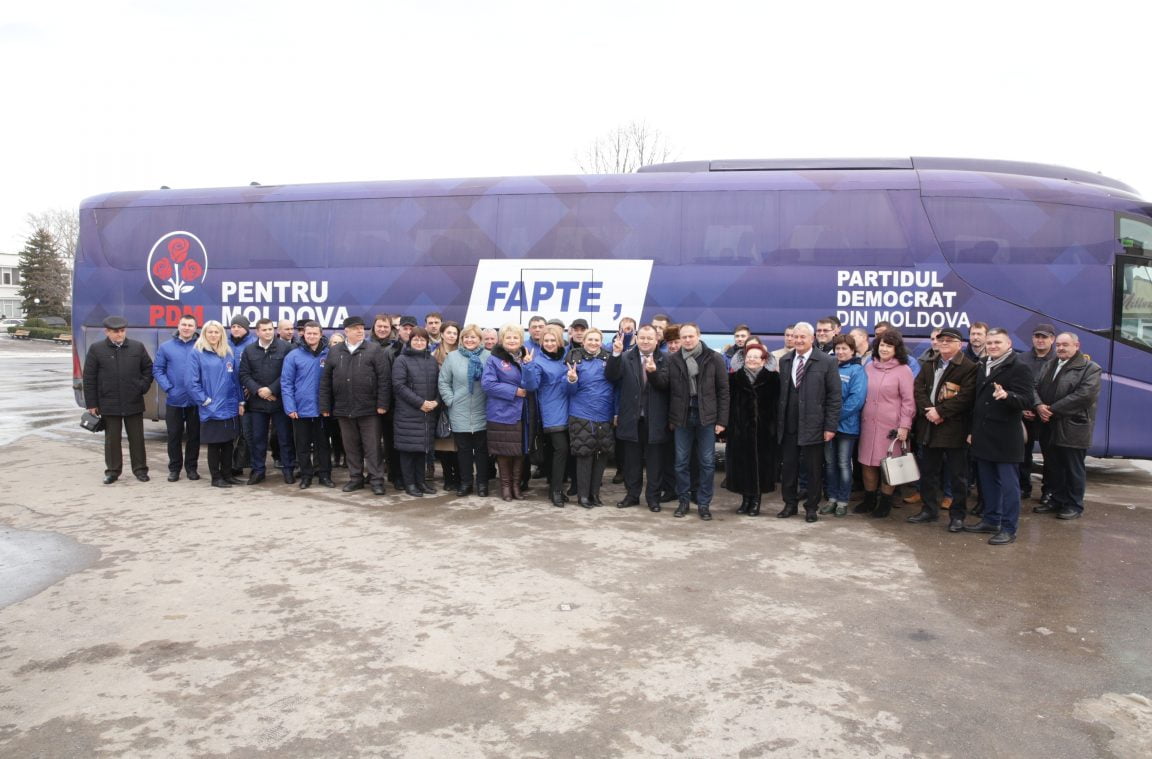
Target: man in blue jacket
(181, 414)
(300, 391)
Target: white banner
(512, 291)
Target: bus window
(424, 231)
(591, 225)
(1136, 303)
(842, 228)
(738, 228)
(1031, 253)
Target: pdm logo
(177, 263)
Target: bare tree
(624, 149)
(63, 223)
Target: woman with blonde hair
(465, 401)
(214, 383)
(503, 383)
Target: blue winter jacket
(170, 370)
(853, 391)
(237, 348)
(300, 379)
(501, 379)
(548, 378)
(466, 405)
(215, 378)
(591, 396)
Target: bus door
(1131, 365)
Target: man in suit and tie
(641, 377)
(1065, 403)
(809, 414)
(1003, 390)
(944, 395)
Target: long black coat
(952, 432)
(711, 389)
(116, 379)
(820, 397)
(626, 372)
(998, 425)
(1072, 397)
(752, 455)
(260, 367)
(415, 379)
(356, 384)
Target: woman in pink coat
(888, 412)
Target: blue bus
(917, 242)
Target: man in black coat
(1003, 390)
(809, 415)
(697, 413)
(356, 388)
(641, 377)
(1065, 403)
(117, 374)
(944, 391)
(260, 365)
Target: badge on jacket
(228, 366)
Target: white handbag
(901, 469)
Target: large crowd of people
(822, 416)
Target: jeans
(1000, 488)
(704, 437)
(838, 467)
(259, 440)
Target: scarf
(752, 374)
(475, 368)
(690, 357)
(556, 355)
(993, 363)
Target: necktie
(799, 370)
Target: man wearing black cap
(356, 388)
(1042, 338)
(117, 374)
(576, 332)
(944, 391)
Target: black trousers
(183, 425)
(313, 455)
(388, 453)
(556, 457)
(220, 460)
(472, 455)
(955, 460)
(412, 467)
(1035, 430)
(795, 456)
(361, 436)
(1064, 468)
(114, 428)
(642, 461)
(590, 474)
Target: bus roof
(928, 175)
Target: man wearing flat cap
(944, 391)
(117, 374)
(1043, 337)
(356, 389)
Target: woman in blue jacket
(546, 373)
(838, 453)
(214, 383)
(503, 383)
(465, 401)
(591, 406)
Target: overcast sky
(114, 95)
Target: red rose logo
(185, 264)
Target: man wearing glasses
(826, 329)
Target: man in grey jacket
(809, 414)
(1066, 394)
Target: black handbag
(443, 425)
(91, 422)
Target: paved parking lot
(177, 620)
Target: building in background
(10, 300)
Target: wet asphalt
(172, 619)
